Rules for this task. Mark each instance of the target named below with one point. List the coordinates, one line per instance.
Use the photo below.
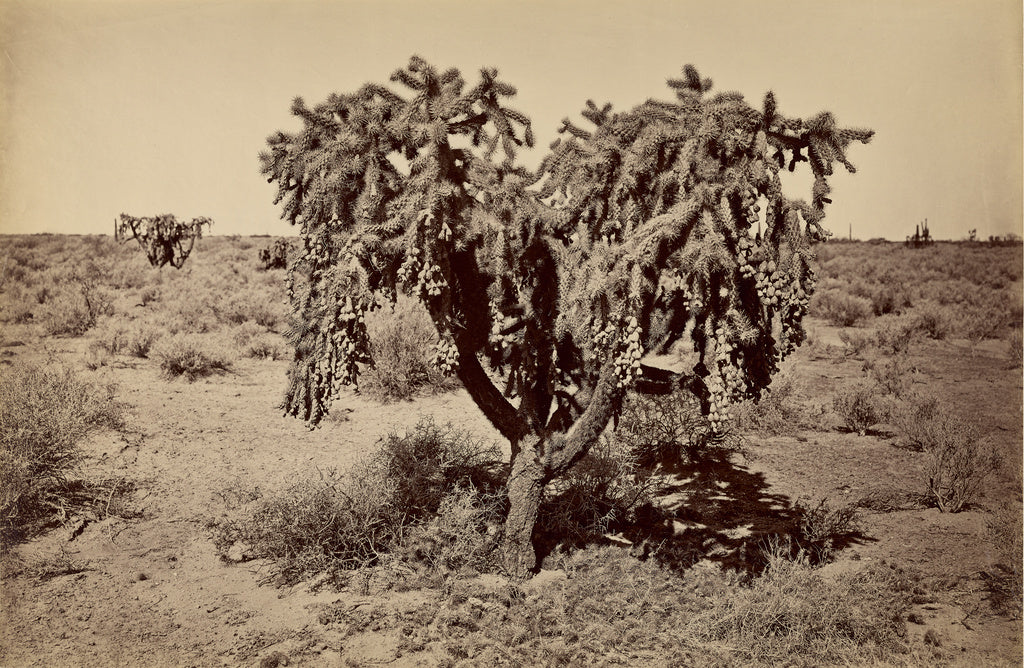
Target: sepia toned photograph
(511, 333)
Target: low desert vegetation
(407, 499)
(427, 511)
(609, 607)
(44, 412)
(191, 356)
(952, 290)
(858, 406)
(403, 344)
(1015, 348)
(778, 411)
(959, 459)
(667, 430)
(119, 336)
(840, 308)
(1004, 579)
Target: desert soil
(151, 589)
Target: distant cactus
(274, 256)
(922, 237)
(163, 237)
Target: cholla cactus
(165, 239)
(661, 222)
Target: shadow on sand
(717, 510)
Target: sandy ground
(152, 591)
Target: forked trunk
(525, 487)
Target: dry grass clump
(44, 412)
(431, 496)
(118, 336)
(190, 355)
(792, 615)
(256, 342)
(402, 344)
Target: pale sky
(162, 107)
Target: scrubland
(158, 509)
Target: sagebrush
(44, 412)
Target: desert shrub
(44, 412)
(402, 345)
(958, 462)
(190, 312)
(820, 525)
(250, 305)
(340, 523)
(464, 534)
(73, 302)
(986, 317)
(1015, 348)
(894, 376)
(190, 355)
(840, 308)
(894, 334)
(64, 315)
(778, 411)
(933, 320)
(856, 342)
(601, 494)
(96, 357)
(149, 294)
(665, 430)
(858, 407)
(17, 311)
(256, 342)
(266, 346)
(120, 337)
(888, 296)
(317, 526)
(140, 339)
(1004, 579)
(430, 461)
(12, 272)
(915, 419)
